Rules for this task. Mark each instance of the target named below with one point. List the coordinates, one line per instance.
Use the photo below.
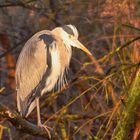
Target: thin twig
(118, 49)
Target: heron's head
(69, 35)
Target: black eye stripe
(68, 30)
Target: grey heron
(42, 65)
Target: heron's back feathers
(31, 66)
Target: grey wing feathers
(31, 66)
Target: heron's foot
(47, 128)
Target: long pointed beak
(79, 45)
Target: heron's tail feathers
(23, 107)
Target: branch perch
(21, 124)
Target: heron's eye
(70, 36)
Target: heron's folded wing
(31, 66)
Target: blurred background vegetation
(100, 93)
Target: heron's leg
(39, 119)
(38, 112)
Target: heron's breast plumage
(55, 69)
(60, 58)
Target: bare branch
(20, 123)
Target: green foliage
(127, 117)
